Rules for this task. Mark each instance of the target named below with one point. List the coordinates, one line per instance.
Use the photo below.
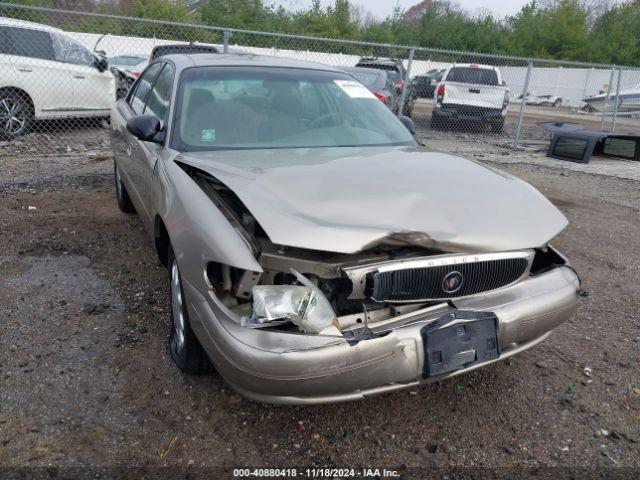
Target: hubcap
(177, 342)
(12, 115)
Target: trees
(605, 31)
(615, 37)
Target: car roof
(387, 61)
(375, 71)
(240, 60)
(12, 22)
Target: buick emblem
(452, 282)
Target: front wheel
(185, 349)
(16, 114)
(122, 196)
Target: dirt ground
(86, 380)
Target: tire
(16, 114)
(497, 127)
(122, 196)
(408, 107)
(436, 122)
(557, 103)
(185, 349)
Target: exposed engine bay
(351, 295)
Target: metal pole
(617, 105)
(525, 93)
(586, 84)
(405, 84)
(225, 41)
(606, 99)
(558, 75)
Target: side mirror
(101, 64)
(504, 83)
(145, 128)
(408, 123)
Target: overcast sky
(383, 8)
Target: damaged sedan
(316, 251)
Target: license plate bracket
(471, 339)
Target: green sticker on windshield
(208, 136)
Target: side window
(158, 102)
(571, 148)
(67, 50)
(620, 147)
(24, 42)
(139, 96)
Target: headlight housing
(305, 306)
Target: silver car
(316, 251)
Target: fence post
(405, 83)
(525, 93)
(617, 105)
(225, 41)
(586, 83)
(606, 99)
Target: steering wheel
(319, 119)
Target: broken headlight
(305, 306)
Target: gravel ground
(86, 381)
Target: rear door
(476, 87)
(157, 105)
(36, 71)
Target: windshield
(220, 108)
(369, 78)
(126, 61)
(476, 76)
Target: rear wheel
(497, 127)
(408, 107)
(184, 347)
(436, 121)
(16, 114)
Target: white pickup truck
(471, 93)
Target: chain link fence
(62, 70)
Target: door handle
(25, 70)
(79, 77)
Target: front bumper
(277, 367)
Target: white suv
(46, 74)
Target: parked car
(379, 82)
(316, 251)
(46, 74)
(471, 93)
(425, 85)
(544, 100)
(398, 75)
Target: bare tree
(360, 14)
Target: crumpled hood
(349, 199)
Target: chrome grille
(419, 283)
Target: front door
(94, 91)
